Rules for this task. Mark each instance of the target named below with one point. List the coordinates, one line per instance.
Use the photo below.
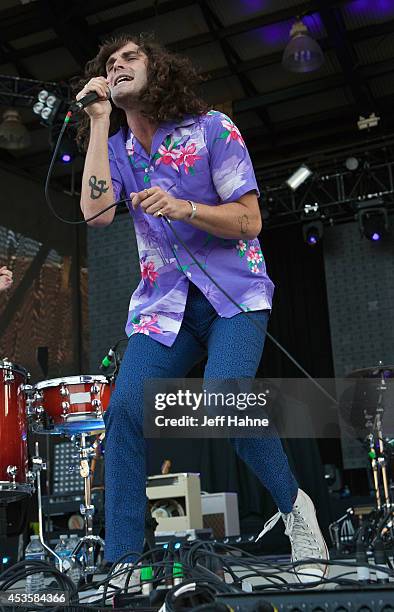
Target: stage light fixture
(13, 134)
(366, 123)
(352, 163)
(299, 177)
(373, 223)
(302, 53)
(47, 106)
(312, 232)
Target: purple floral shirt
(204, 159)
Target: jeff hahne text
(210, 402)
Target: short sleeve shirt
(204, 159)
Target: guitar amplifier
(175, 501)
(220, 513)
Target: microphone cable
(200, 266)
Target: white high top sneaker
(306, 539)
(117, 583)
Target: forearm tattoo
(244, 222)
(97, 187)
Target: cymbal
(373, 372)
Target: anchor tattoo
(98, 187)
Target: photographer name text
(217, 421)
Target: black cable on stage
(49, 176)
(200, 266)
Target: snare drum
(13, 427)
(72, 405)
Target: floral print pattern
(147, 324)
(230, 132)
(148, 272)
(254, 255)
(241, 247)
(203, 158)
(167, 154)
(171, 153)
(188, 157)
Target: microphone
(90, 97)
(108, 359)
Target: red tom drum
(72, 405)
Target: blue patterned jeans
(234, 347)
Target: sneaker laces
(269, 525)
(303, 542)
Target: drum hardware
(371, 411)
(12, 471)
(342, 530)
(65, 407)
(89, 542)
(8, 373)
(376, 448)
(98, 408)
(64, 391)
(38, 466)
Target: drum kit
(71, 406)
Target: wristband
(194, 210)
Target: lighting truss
(337, 191)
(19, 92)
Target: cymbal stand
(90, 541)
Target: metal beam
(72, 30)
(336, 30)
(369, 31)
(288, 93)
(22, 21)
(233, 59)
(202, 39)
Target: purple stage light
(375, 236)
(371, 10)
(275, 35)
(66, 158)
(254, 5)
(314, 24)
(312, 239)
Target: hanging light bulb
(303, 53)
(13, 134)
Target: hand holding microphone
(94, 98)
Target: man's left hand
(156, 202)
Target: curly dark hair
(170, 90)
